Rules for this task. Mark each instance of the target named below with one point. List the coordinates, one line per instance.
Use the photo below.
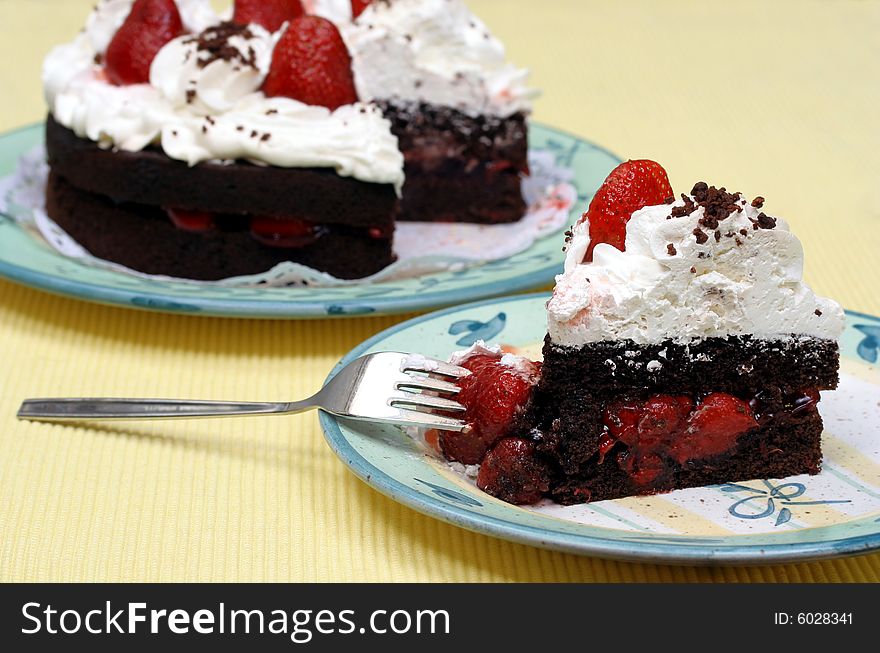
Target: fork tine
(429, 421)
(415, 382)
(426, 401)
(419, 363)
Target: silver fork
(390, 387)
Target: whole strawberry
(311, 64)
(630, 186)
(150, 25)
(358, 6)
(271, 14)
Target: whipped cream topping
(433, 51)
(211, 112)
(668, 284)
(188, 71)
(339, 11)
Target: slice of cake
(184, 145)
(683, 349)
(457, 107)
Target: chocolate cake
(595, 458)
(456, 106)
(458, 167)
(689, 352)
(284, 135)
(116, 205)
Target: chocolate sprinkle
(213, 45)
(766, 222)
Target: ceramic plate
(764, 521)
(25, 260)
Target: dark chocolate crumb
(700, 235)
(670, 249)
(766, 222)
(693, 270)
(744, 232)
(758, 202)
(818, 312)
(717, 235)
(213, 45)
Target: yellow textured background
(773, 98)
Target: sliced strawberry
(283, 232)
(512, 472)
(150, 25)
(630, 186)
(713, 427)
(494, 395)
(358, 6)
(311, 64)
(271, 14)
(191, 220)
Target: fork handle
(63, 410)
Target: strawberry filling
(287, 233)
(666, 429)
(495, 395)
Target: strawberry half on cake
(184, 145)
(683, 349)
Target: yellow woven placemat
(777, 99)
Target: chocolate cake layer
(144, 239)
(460, 168)
(775, 451)
(578, 384)
(151, 178)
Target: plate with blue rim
(25, 260)
(764, 521)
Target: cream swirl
(434, 51)
(669, 285)
(188, 71)
(214, 112)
